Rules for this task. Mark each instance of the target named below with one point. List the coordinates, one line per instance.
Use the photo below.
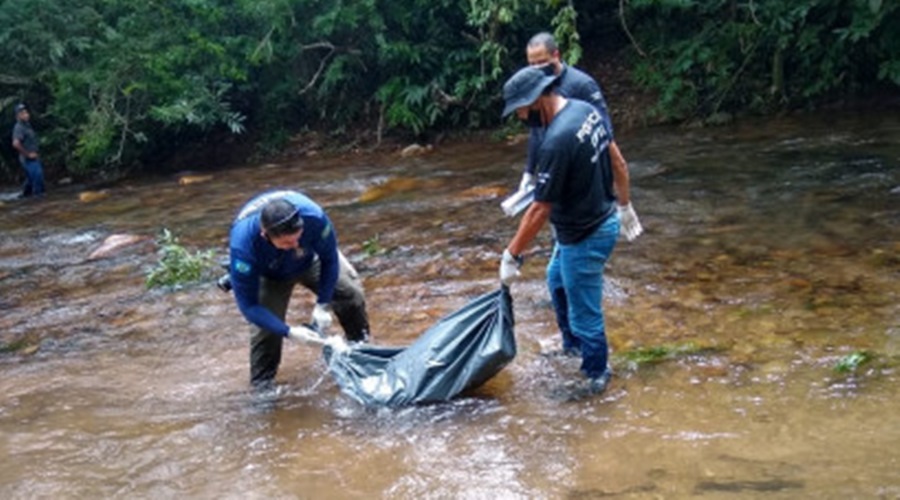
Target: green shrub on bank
(705, 57)
(119, 84)
(177, 265)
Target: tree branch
(315, 78)
(627, 31)
(14, 80)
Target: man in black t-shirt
(582, 187)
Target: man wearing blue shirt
(279, 239)
(582, 188)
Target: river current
(755, 331)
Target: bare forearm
(532, 222)
(620, 174)
(17, 145)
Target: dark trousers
(349, 305)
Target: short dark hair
(280, 217)
(546, 39)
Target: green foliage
(660, 353)
(708, 56)
(16, 345)
(114, 83)
(372, 246)
(852, 361)
(565, 30)
(646, 355)
(202, 107)
(177, 266)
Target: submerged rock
(390, 187)
(484, 192)
(92, 196)
(415, 150)
(116, 242)
(184, 180)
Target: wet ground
(770, 260)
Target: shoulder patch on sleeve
(242, 266)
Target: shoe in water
(584, 388)
(562, 353)
(598, 385)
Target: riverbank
(631, 108)
(753, 329)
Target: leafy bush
(177, 266)
(852, 361)
(118, 83)
(372, 246)
(703, 57)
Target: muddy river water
(770, 261)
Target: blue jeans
(575, 281)
(34, 177)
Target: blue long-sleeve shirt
(254, 257)
(574, 84)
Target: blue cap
(20, 107)
(524, 87)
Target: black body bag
(461, 351)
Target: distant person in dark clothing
(573, 83)
(280, 239)
(25, 141)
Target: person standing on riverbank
(280, 239)
(583, 188)
(25, 141)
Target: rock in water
(114, 243)
(484, 192)
(184, 180)
(92, 196)
(415, 150)
(390, 187)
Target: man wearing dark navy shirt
(542, 50)
(582, 188)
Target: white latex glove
(509, 268)
(527, 180)
(631, 226)
(305, 335)
(337, 343)
(321, 317)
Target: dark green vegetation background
(120, 85)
